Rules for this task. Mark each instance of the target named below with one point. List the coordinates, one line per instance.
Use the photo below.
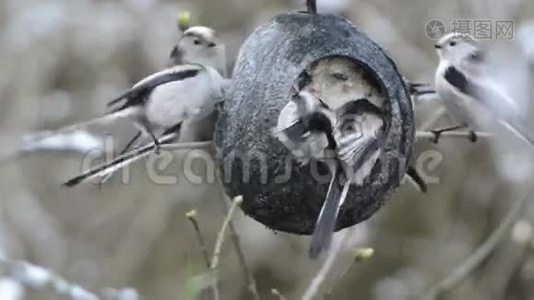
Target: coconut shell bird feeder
(276, 190)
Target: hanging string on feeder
(312, 6)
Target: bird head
(457, 46)
(200, 45)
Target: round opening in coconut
(312, 96)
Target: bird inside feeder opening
(338, 80)
(335, 115)
(342, 109)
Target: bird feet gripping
(438, 132)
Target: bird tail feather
(520, 132)
(108, 118)
(327, 220)
(119, 162)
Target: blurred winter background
(61, 60)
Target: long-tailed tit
(176, 94)
(358, 134)
(197, 46)
(182, 94)
(338, 81)
(347, 140)
(468, 91)
(337, 118)
(163, 101)
(170, 97)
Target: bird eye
(197, 42)
(452, 44)
(340, 76)
(211, 45)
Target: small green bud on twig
(363, 254)
(191, 214)
(184, 20)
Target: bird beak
(437, 46)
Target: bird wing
(136, 95)
(358, 132)
(287, 123)
(354, 149)
(491, 96)
(484, 90)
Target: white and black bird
(198, 46)
(167, 98)
(347, 140)
(161, 103)
(468, 90)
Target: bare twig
(80, 142)
(451, 134)
(39, 278)
(131, 157)
(221, 235)
(187, 146)
(319, 279)
(472, 262)
(312, 6)
(251, 282)
(191, 216)
(359, 255)
(220, 241)
(249, 277)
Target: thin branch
(222, 232)
(359, 255)
(472, 262)
(319, 279)
(191, 216)
(187, 146)
(251, 282)
(130, 157)
(39, 278)
(451, 134)
(249, 277)
(311, 6)
(220, 241)
(214, 264)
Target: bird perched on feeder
(330, 120)
(162, 102)
(347, 140)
